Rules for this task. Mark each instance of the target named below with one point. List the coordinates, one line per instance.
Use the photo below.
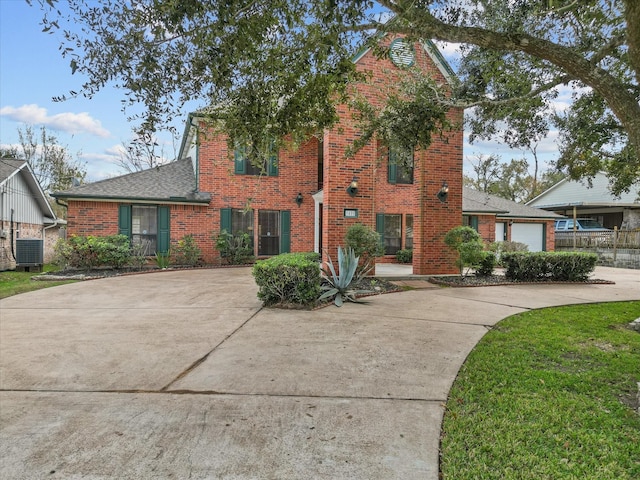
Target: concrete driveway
(183, 375)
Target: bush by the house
(366, 245)
(91, 252)
(559, 266)
(235, 249)
(500, 248)
(405, 255)
(186, 251)
(487, 265)
(289, 278)
(467, 242)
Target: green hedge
(561, 266)
(91, 252)
(289, 278)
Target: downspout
(13, 253)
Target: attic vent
(402, 53)
(29, 252)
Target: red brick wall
(298, 173)
(441, 162)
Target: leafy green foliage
(561, 266)
(487, 264)
(339, 285)
(366, 245)
(91, 252)
(288, 278)
(500, 248)
(548, 394)
(163, 259)
(186, 251)
(235, 249)
(467, 242)
(405, 255)
(276, 68)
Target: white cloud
(66, 122)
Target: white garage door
(530, 234)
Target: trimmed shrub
(289, 278)
(186, 251)
(558, 266)
(467, 242)
(487, 265)
(366, 245)
(507, 246)
(404, 255)
(90, 252)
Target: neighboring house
(302, 200)
(25, 212)
(575, 199)
(498, 219)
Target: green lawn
(13, 283)
(548, 394)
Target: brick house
(303, 199)
(497, 219)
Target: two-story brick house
(304, 199)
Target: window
(244, 166)
(408, 231)
(145, 225)
(273, 235)
(470, 221)
(400, 165)
(390, 229)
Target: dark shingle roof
(474, 201)
(173, 182)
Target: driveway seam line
(202, 359)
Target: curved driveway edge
(183, 375)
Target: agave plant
(339, 286)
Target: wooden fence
(611, 239)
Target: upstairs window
(400, 165)
(244, 166)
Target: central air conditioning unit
(29, 252)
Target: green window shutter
(164, 233)
(272, 167)
(544, 237)
(225, 219)
(473, 221)
(392, 171)
(124, 220)
(380, 227)
(285, 231)
(240, 159)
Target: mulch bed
(496, 280)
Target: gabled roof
(475, 202)
(173, 182)
(10, 167)
(569, 193)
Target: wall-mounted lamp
(299, 198)
(352, 189)
(444, 191)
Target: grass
(13, 283)
(548, 394)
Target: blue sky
(32, 71)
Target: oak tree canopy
(276, 67)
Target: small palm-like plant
(340, 286)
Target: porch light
(352, 189)
(299, 198)
(444, 191)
